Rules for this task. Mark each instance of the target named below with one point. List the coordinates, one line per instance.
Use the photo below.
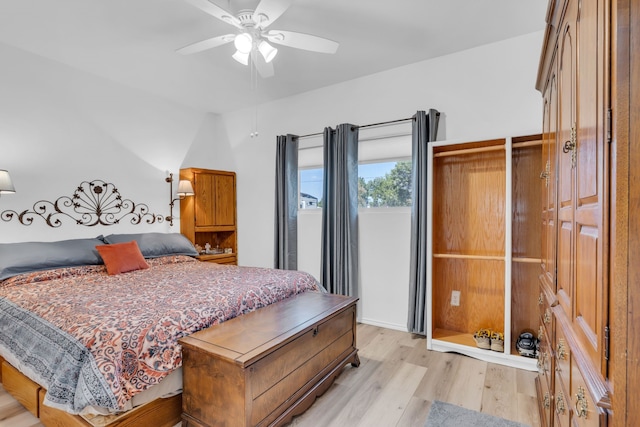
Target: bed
(95, 323)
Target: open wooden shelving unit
(484, 199)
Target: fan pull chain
(254, 87)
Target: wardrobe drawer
(543, 390)
(563, 357)
(560, 403)
(545, 354)
(585, 411)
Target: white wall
(484, 91)
(60, 126)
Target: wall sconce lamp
(6, 186)
(184, 189)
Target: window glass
(380, 184)
(310, 188)
(384, 184)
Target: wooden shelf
(214, 228)
(527, 260)
(462, 256)
(211, 257)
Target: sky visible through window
(311, 179)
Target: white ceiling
(133, 42)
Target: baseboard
(386, 325)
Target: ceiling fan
(252, 38)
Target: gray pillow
(154, 245)
(26, 257)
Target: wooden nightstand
(220, 258)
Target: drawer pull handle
(315, 331)
(547, 400)
(542, 362)
(562, 351)
(560, 408)
(582, 406)
(571, 146)
(545, 174)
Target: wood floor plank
(392, 400)
(467, 386)
(526, 382)
(527, 412)
(365, 389)
(395, 385)
(442, 367)
(500, 385)
(22, 419)
(415, 414)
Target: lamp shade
(243, 42)
(268, 52)
(242, 58)
(185, 188)
(6, 186)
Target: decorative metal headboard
(93, 203)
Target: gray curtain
(286, 209)
(425, 129)
(339, 265)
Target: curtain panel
(339, 272)
(425, 130)
(286, 203)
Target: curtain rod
(363, 126)
(372, 138)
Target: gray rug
(444, 414)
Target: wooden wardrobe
(209, 217)
(588, 363)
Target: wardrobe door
(548, 176)
(567, 75)
(225, 196)
(205, 207)
(588, 315)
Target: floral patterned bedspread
(95, 339)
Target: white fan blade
(302, 41)
(216, 11)
(269, 10)
(206, 44)
(265, 69)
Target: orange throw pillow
(122, 257)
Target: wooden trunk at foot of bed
(158, 413)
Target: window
(384, 184)
(380, 184)
(384, 168)
(310, 188)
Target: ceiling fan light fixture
(241, 57)
(268, 52)
(243, 42)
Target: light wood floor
(396, 382)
